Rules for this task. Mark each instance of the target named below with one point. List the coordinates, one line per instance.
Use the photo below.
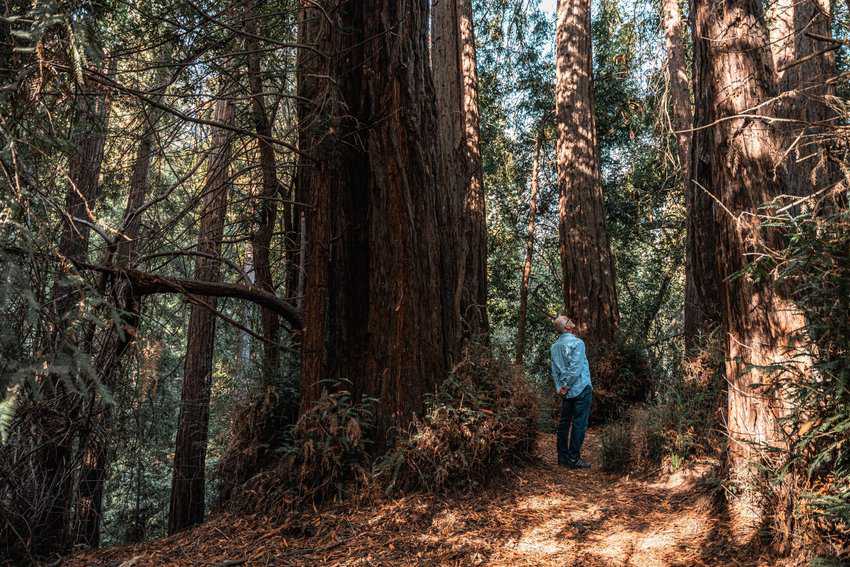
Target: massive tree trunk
(588, 267)
(53, 412)
(189, 473)
(373, 312)
(802, 65)
(456, 87)
(736, 75)
(529, 250)
(117, 338)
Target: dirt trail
(539, 514)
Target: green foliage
(815, 266)
(621, 377)
(483, 415)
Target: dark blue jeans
(573, 425)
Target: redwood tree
(734, 75)
(456, 87)
(188, 476)
(116, 338)
(588, 267)
(373, 312)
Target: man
(571, 374)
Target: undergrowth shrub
(621, 377)
(680, 423)
(330, 448)
(484, 414)
(815, 268)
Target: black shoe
(578, 464)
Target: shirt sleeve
(558, 368)
(572, 365)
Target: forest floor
(535, 514)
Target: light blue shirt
(569, 365)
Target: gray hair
(562, 323)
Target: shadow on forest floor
(538, 514)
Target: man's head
(564, 324)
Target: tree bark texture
(759, 323)
(802, 65)
(373, 313)
(456, 87)
(188, 476)
(678, 82)
(702, 279)
(529, 250)
(590, 293)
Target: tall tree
(702, 282)
(678, 82)
(735, 74)
(189, 472)
(529, 249)
(47, 414)
(456, 86)
(372, 311)
(588, 267)
(266, 202)
(117, 338)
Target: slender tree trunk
(118, 338)
(245, 343)
(681, 111)
(309, 65)
(58, 406)
(529, 250)
(372, 311)
(456, 87)
(588, 267)
(702, 298)
(759, 324)
(702, 280)
(266, 208)
(189, 474)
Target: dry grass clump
(484, 414)
(616, 449)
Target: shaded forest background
(280, 247)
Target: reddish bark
(759, 323)
(372, 312)
(189, 474)
(55, 437)
(118, 338)
(456, 87)
(590, 293)
(266, 204)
